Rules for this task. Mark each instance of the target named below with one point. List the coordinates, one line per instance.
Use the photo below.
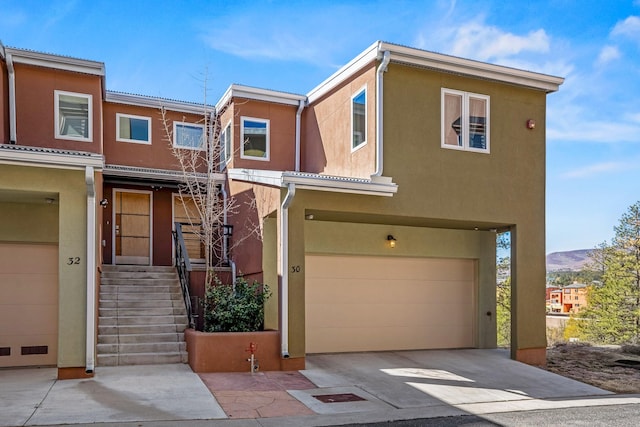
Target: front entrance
(132, 227)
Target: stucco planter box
(227, 351)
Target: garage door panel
(359, 303)
(28, 288)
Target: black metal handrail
(183, 265)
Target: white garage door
(361, 303)
(28, 304)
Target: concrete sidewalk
(334, 389)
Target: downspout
(13, 139)
(225, 237)
(298, 114)
(386, 57)
(284, 270)
(91, 269)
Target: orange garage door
(364, 303)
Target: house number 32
(73, 260)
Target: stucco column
(296, 275)
(528, 271)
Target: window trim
(182, 123)
(242, 139)
(366, 119)
(224, 161)
(132, 116)
(56, 106)
(466, 96)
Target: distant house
(567, 300)
(378, 195)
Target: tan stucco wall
(72, 204)
(505, 187)
(29, 222)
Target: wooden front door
(132, 227)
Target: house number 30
(73, 260)
(295, 269)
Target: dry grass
(599, 366)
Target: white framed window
(136, 129)
(465, 121)
(73, 116)
(225, 146)
(188, 135)
(359, 119)
(254, 134)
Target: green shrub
(238, 308)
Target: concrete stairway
(142, 317)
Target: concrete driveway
(343, 388)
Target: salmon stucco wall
(327, 147)
(35, 105)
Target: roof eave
(153, 102)
(53, 160)
(39, 59)
(155, 174)
(258, 94)
(316, 182)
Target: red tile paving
(259, 395)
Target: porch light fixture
(531, 124)
(104, 203)
(227, 230)
(392, 241)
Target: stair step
(124, 289)
(141, 304)
(137, 296)
(141, 358)
(106, 268)
(142, 320)
(140, 281)
(141, 311)
(141, 329)
(174, 337)
(154, 347)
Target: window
(133, 129)
(73, 113)
(465, 121)
(255, 139)
(188, 135)
(359, 119)
(225, 146)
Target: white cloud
(476, 40)
(630, 28)
(608, 54)
(598, 169)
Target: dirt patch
(612, 368)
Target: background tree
(503, 289)
(612, 315)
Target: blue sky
(166, 48)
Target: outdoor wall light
(531, 124)
(104, 203)
(227, 230)
(392, 241)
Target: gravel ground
(613, 368)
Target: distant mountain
(568, 260)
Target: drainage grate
(339, 398)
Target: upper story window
(73, 114)
(254, 134)
(188, 135)
(359, 119)
(225, 146)
(465, 121)
(133, 129)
